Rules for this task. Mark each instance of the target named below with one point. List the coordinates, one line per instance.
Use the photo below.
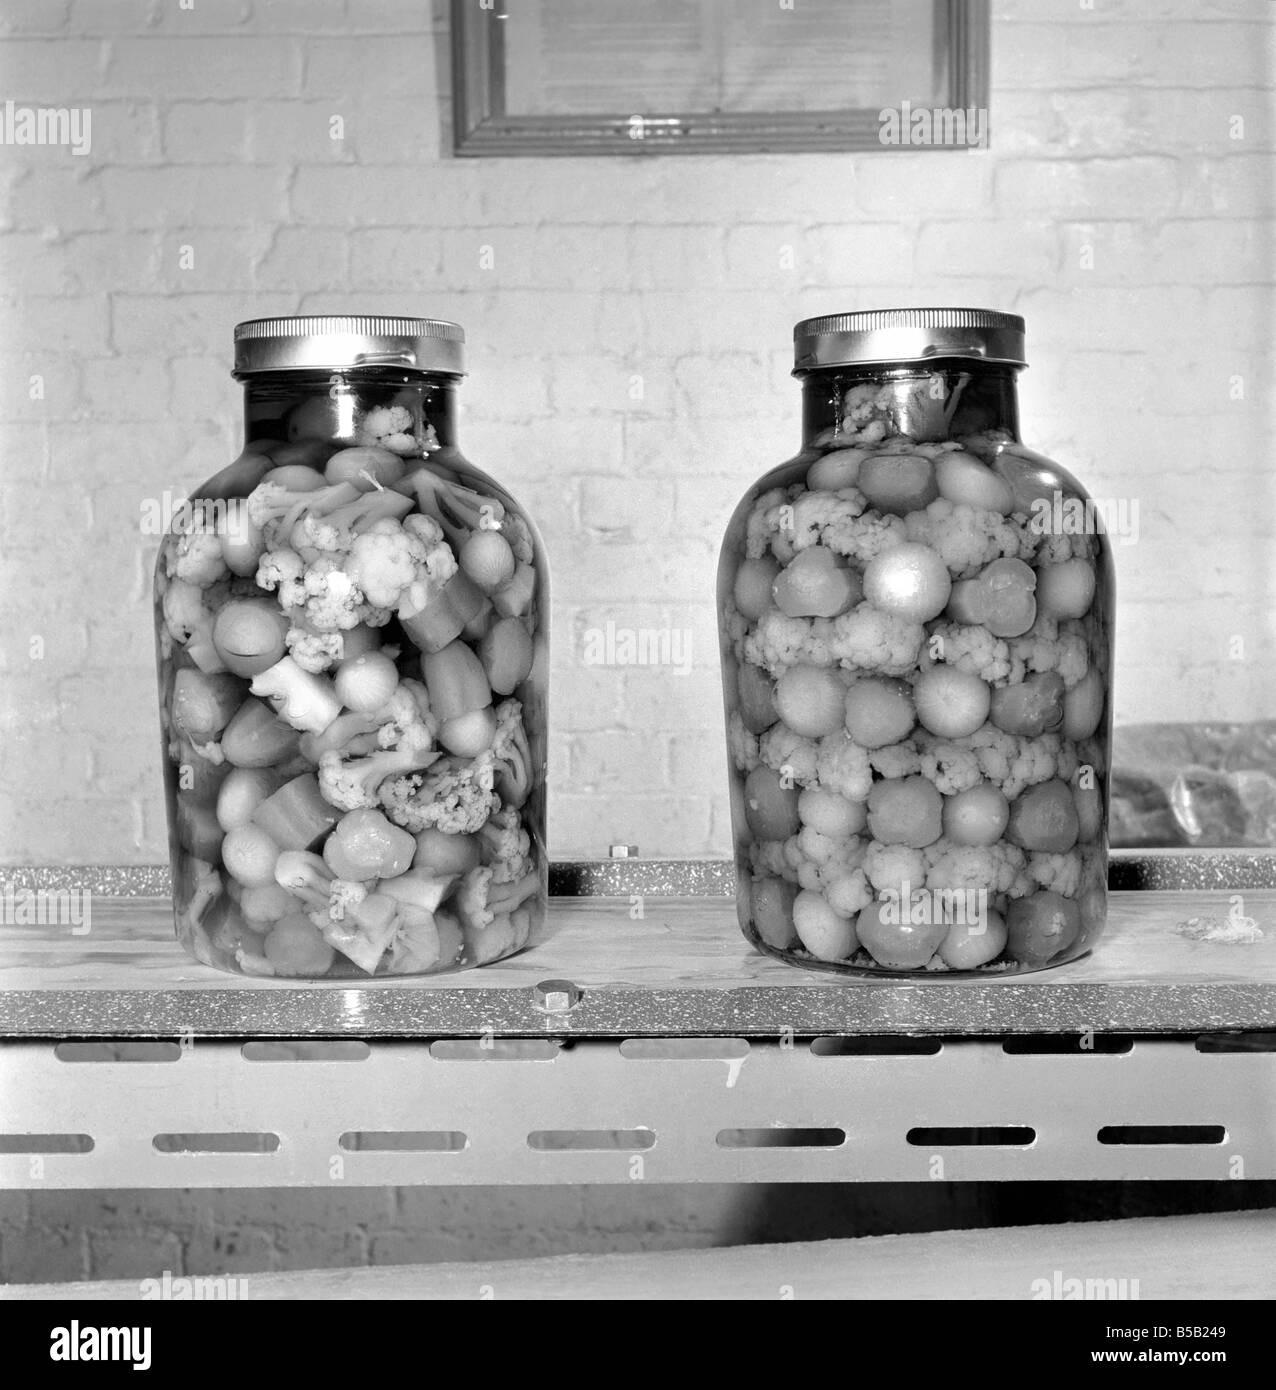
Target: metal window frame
(481, 127)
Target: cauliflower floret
(1014, 763)
(973, 649)
(814, 515)
(1036, 760)
(440, 561)
(789, 754)
(1043, 630)
(866, 413)
(389, 427)
(862, 538)
(966, 538)
(1057, 546)
(865, 639)
(768, 859)
(779, 642)
(1061, 873)
(185, 610)
(808, 876)
(952, 766)
(763, 523)
(456, 795)
(313, 536)
(825, 851)
(197, 558)
(816, 846)
(314, 651)
(471, 898)
(352, 783)
(868, 639)
(889, 867)
(846, 895)
(839, 870)
(1051, 646)
(506, 847)
(1029, 537)
(481, 897)
(736, 626)
(842, 766)
(511, 755)
(334, 601)
(283, 570)
(406, 717)
(826, 859)
(383, 561)
(896, 759)
(743, 744)
(407, 562)
(343, 894)
(997, 868)
(995, 749)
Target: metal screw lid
(334, 342)
(907, 335)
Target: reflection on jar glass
(351, 625)
(916, 624)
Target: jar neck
(330, 405)
(943, 399)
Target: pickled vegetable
(348, 658)
(952, 820)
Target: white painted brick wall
(629, 349)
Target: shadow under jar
(916, 625)
(351, 627)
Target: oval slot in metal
(306, 1050)
(973, 1136)
(591, 1140)
(46, 1143)
(1162, 1134)
(399, 1141)
(225, 1143)
(780, 1137)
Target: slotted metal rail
(687, 1058)
(405, 1113)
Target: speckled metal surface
(617, 1005)
(1185, 870)
(568, 878)
(971, 1010)
(571, 878)
(102, 880)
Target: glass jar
(916, 627)
(351, 625)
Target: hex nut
(556, 996)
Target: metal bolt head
(556, 996)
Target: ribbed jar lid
(335, 342)
(907, 335)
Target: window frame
(481, 127)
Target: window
(549, 77)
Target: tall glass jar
(916, 626)
(351, 626)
